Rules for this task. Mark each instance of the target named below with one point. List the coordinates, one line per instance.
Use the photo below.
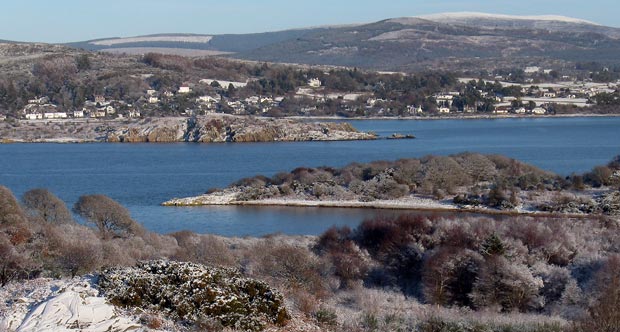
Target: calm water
(141, 176)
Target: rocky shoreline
(233, 197)
(203, 129)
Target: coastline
(127, 133)
(411, 203)
(453, 117)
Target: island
(214, 128)
(489, 184)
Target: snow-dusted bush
(195, 293)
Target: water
(141, 176)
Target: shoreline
(454, 117)
(412, 204)
(361, 137)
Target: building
(34, 116)
(100, 99)
(443, 110)
(444, 100)
(531, 70)
(539, 111)
(151, 92)
(39, 101)
(521, 110)
(153, 100)
(55, 115)
(133, 114)
(185, 89)
(78, 113)
(314, 83)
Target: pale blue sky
(76, 20)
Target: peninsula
(200, 129)
(472, 182)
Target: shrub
(195, 293)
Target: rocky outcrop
(204, 129)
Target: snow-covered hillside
(467, 16)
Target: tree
(10, 211)
(82, 62)
(110, 218)
(44, 204)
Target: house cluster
(99, 107)
(41, 108)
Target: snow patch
(447, 17)
(179, 39)
(44, 305)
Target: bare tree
(110, 218)
(42, 203)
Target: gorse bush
(195, 293)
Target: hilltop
(448, 41)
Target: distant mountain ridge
(440, 41)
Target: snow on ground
(182, 39)
(49, 305)
(472, 15)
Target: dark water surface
(141, 176)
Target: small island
(489, 184)
(200, 129)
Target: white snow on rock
(48, 305)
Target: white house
(151, 92)
(206, 99)
(539, 111)
(2, 117)
(531, 70)
(133, 114)
(153, 100)
(184, 89)
(55, 115)
(444, 100)
(78, 113)
(521, 110)
(39, 101)
(444, 110)
(34, 116)
(314, 83)
(549, 94)
(253, 100)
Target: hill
(443, 41)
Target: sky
(78, 20)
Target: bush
(195, 293)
